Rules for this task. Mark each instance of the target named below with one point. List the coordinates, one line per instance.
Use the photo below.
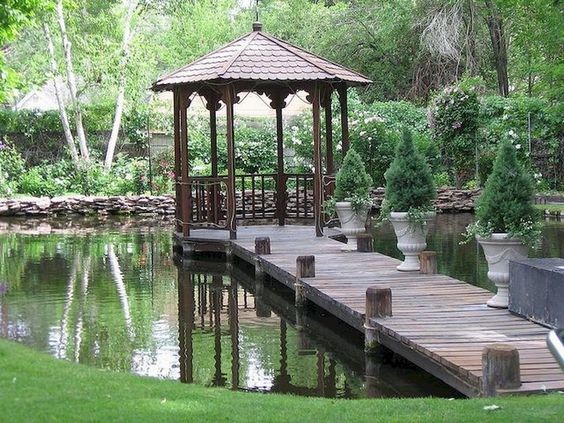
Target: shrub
(34, 182)
(455, 114)
(255, 146)
(11, 168)
(533, 126)
(352, 183)
(409, 184)
(506, 205)
(352, 179)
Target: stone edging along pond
(448, 200)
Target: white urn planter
(411, 239)
(499, 250)
(352, 223)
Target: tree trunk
(60, 101)
(127, 36)
(71, 81)
(499, 46)
(471, 52)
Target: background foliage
(420, 54)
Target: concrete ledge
(536, 290)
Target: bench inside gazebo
(259, 63)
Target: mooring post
(262, 245)
(428, 261)
(259, 269)
(364, 243)
(229, 256)
(372, 376)
(261, 308)
(500, 368)
(305, 268)
(378, 305)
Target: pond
(110, 294)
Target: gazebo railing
(256, 197)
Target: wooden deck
(439, 323)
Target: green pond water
(110, 294)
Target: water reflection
(275, 347)
(110, 296)
(466, 262)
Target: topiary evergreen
(352, 183)
(506, 205)
(409, 183)
(352, 179)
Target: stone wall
(85, 205)
(448, 200)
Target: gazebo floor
(439, 323)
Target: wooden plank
(439, 323)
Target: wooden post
(231, 202)
(213, 106)
(259, 269)
(428, 261)
(317, 172)
(280, 177)
(234, 332)
(500, 368)
(185, 324)
(262, 245)
(372, 376)
(364, 243)
(329, 163)
(305, 267)
(344, 118)
(185, 191)
(177, 165)
(378, 305)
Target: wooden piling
(262, 245)
(500, 368)
(378, 305)
(259, 269)
(364, 243)
(428, 260)
(305, 267)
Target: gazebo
(259, 63)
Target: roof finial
(257, 26)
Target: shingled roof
(260, 57)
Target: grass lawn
(37, 387)
(552, 208)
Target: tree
(71, 81)
(125, 51)
(14, 15)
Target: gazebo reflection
(204, 300)
(218, 308)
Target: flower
(456, 125)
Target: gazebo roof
(261, 58)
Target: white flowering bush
(455, 120)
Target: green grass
(552, 208)
(37, 387)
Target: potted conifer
(506, 221)
(351, 200)
(408, 203)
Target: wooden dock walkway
(439, 323)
